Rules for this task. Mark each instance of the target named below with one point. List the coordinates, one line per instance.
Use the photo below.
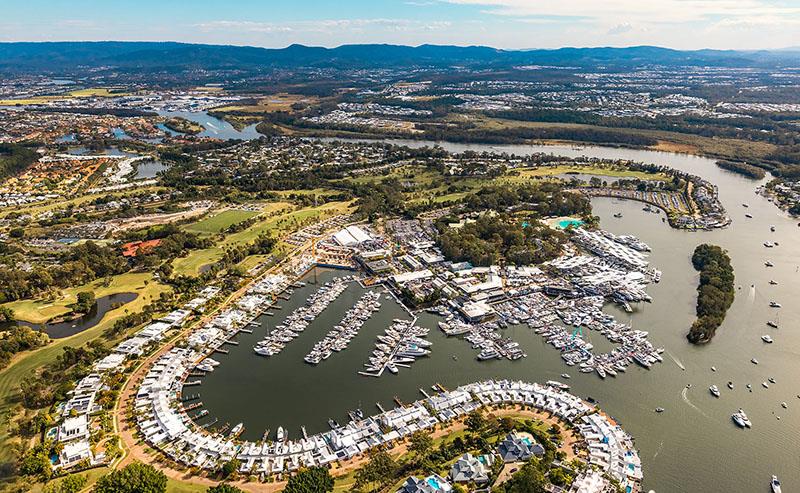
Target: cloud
(323, 26)
(653, 11)
(623, 28)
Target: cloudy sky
(685, 24)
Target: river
(692, 446)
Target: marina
(455, 361)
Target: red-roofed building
(135, 248)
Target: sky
(510, 24)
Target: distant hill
(61, 56)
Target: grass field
(40, 311)
(80, 93)
(277, 224)
(268, 104)
(220, 222)
(25, 364)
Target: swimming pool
(565, 223)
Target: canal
(692, 446)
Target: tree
(529, 479)
(133, 478)
(16, 233)
(310, 480)
(421, 443)
(380, 469)
(475, 421)
(224, 488)
(230, 467)
(35, 462)
(85, 302)
(70, 484)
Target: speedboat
(766, 338)
(765, 385)
(769, 264)
(237, 430)
(769, 244)
(659, 409)
(748, 216)
(774, 304)
(772, 228)
(754, 361)
(730, 385)
(713, 368)
(784, 405)
(714, 390)
(775, 484)
(740, 418)
(773, 282)
(565, 375)
(772, 324)
(771, 379)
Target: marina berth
(170, 430)
(341, 335)
(298, 320)
(399, 346)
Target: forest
(715, 292)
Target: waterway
(692, 446)
(214, 127)
(59, 330)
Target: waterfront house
(470, 469)
(432, 484)
(519, 448)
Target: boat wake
(676, 360)
(685, 397)
(660, 446)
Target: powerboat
(774, 304)
(772, 324)
(766, 338)
(775, 484)
(714, 390)
(741, 419)
(773, 282)
(730, 385)
(754, 361)
(769, 264)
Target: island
(714, 293)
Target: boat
(772, 324)
(765, 385)
(618, 215)
(773, 282)
(748, 216)
(766, 338)
(659, 409)
(774, 304)
(237, 430)
(565, 375)
(688, 386)
(754, 361)
(769, 264)
(741, 419)
(771, 379)
(714, 390)
(713, 368)
(730, 385)
(769, 244)
(784, 405)
(558, 385)
(772, 228)
(775, 484)
(745, 205)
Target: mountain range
(19, 57)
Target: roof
(134, 248)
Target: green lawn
(277, 224)
(40, 311)
(25, 364)
(220, 222)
